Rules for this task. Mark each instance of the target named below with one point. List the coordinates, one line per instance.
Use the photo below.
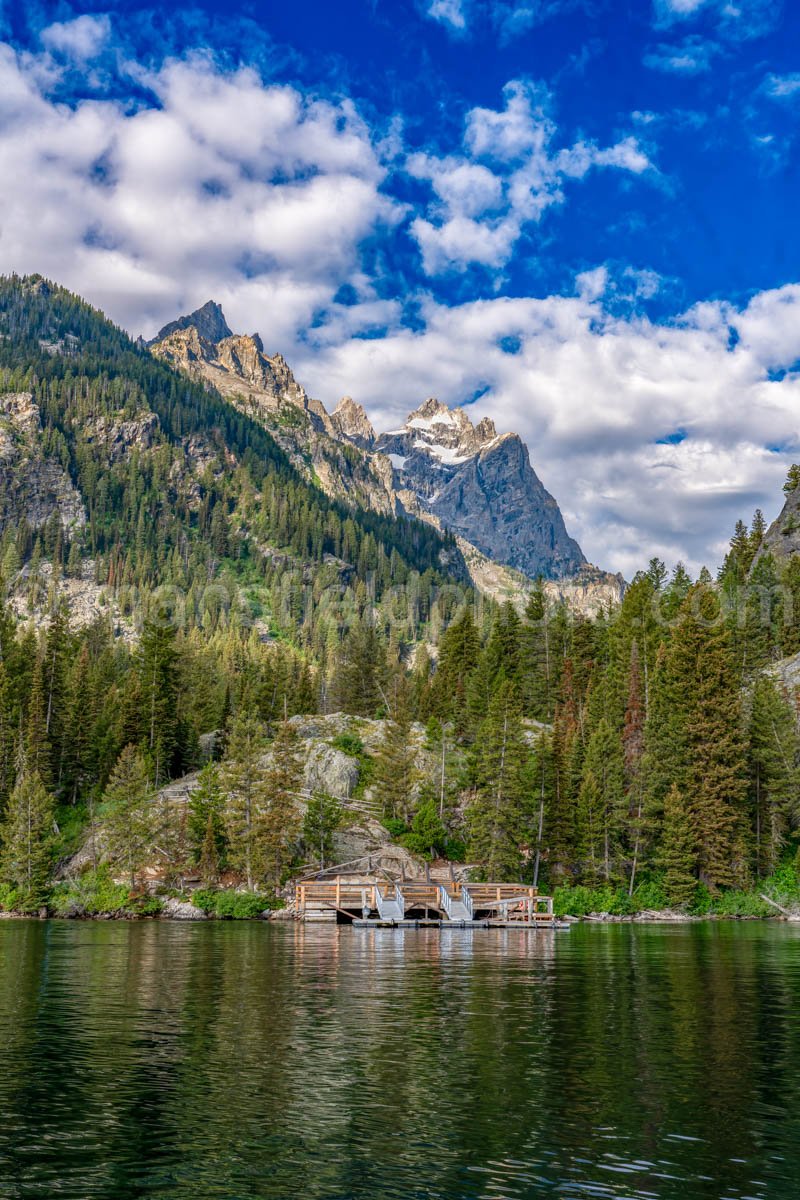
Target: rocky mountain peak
(352, 423)
(482, 486)
(209, 321)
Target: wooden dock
(370, 902)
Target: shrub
(233, 906)
(94, 892)
(739, 904)
(649, 894)
(580, 900)
(348, 743)
(10, 898)
(783, 885)
(396, 827)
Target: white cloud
(262, 198)
(506, 19)
(81, 39)
(512, 176)
(782, 87)
(450, 13)
(692, 56)
(599, 399)
(735, 20)
(225, 187)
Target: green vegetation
(646, 757)
(234, 906)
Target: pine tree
(500, 817)
(37, 745)
(323, 817)
(279, 820)
(205, 823)
(773, 752)
(715, 775)
(361, 672)
(603, 804)
(27, 836)
(129, 812)
(243, 776)
(395, 773)
(536, 659)
(158, 683)
(633, 753)
(678, 853)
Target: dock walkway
(368, 901)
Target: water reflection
(242, 1060)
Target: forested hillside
(650, 753)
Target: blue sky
(579, 214)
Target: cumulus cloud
(80, 39)
(451, 13)
(653, 437)
(512, 176)
(223, 186)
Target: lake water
(238, 1060)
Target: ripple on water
(244, 1060)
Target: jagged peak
(431, 408)
(351, 419)
(208, 320)
(486, 429)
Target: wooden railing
(510, 902)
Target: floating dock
(373, 903)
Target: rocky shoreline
(183, 910)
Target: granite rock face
(438, 467)
(483, 487)
(782, 539)
(209, 321)
(39, 486)
(264, 387)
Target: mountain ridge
(438, 467)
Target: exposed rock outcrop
(37, 485)
(483, 487)
(782, 539)
(439, 467)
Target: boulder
(181, 910)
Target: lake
(232, 1060)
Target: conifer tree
(395, 772)
(129, 813)
(603, 804)
(677, 856)
(205, 823)
(537, 668)
(323, 817)
(37, 745)
(715, 769)
(361, 673)
(773, 751)
(27, 836)
(500, 815)
(243, 775)
(279, 819)
(158, 685)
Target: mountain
(439, 467)
(111, 457)
(263, 387)
(483, 487)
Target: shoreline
(287, 916)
